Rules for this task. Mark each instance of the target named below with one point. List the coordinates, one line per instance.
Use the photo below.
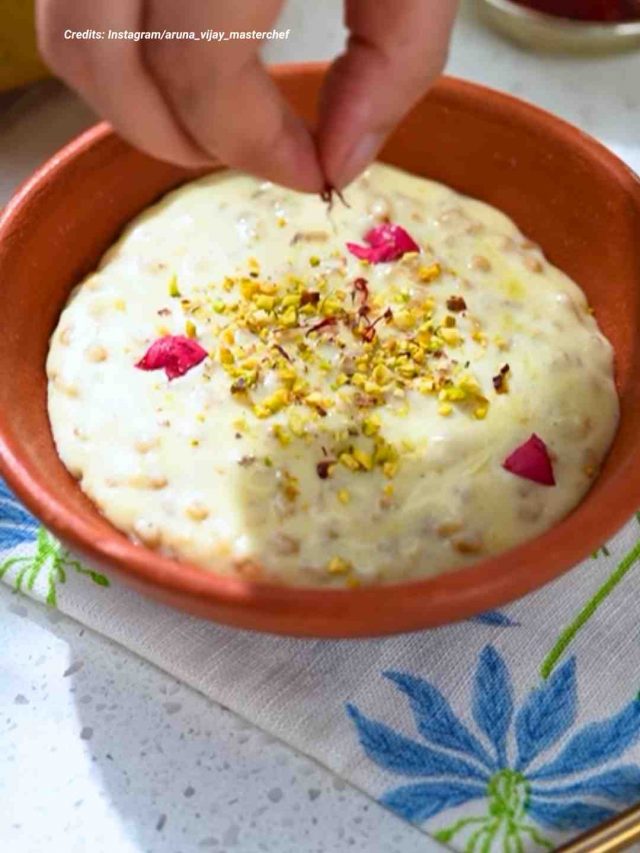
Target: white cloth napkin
(513, 731)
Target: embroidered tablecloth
(512, 731)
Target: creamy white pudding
(260, 386)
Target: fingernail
(358, 158)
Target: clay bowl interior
(565, 192)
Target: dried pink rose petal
(386, 242)
(176, 354)
(531, 461)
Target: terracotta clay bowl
(562, 188)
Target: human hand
(191, 101)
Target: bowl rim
(369, 611)
(569, 26)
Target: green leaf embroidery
(583, 616)
(52, 560)
(508, 795)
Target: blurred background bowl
(540, 31)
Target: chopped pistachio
(282, 435)
(389, 469)
(371, 425)
(364, 459)
(429, 273)
(450, 336)
(349, 461)
(174, 290)
(338, 566)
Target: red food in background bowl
(563, 189)
(603, 11)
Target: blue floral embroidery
(494, 617)
(17, 528)
(16, 524)
(505, 763)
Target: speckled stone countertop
(101, 751)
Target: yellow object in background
(19, 60)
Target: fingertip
(340, 172)
(301, 162)
(291, 160)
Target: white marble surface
(99, 750)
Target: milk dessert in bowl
(384, 391)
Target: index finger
(223, 97)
